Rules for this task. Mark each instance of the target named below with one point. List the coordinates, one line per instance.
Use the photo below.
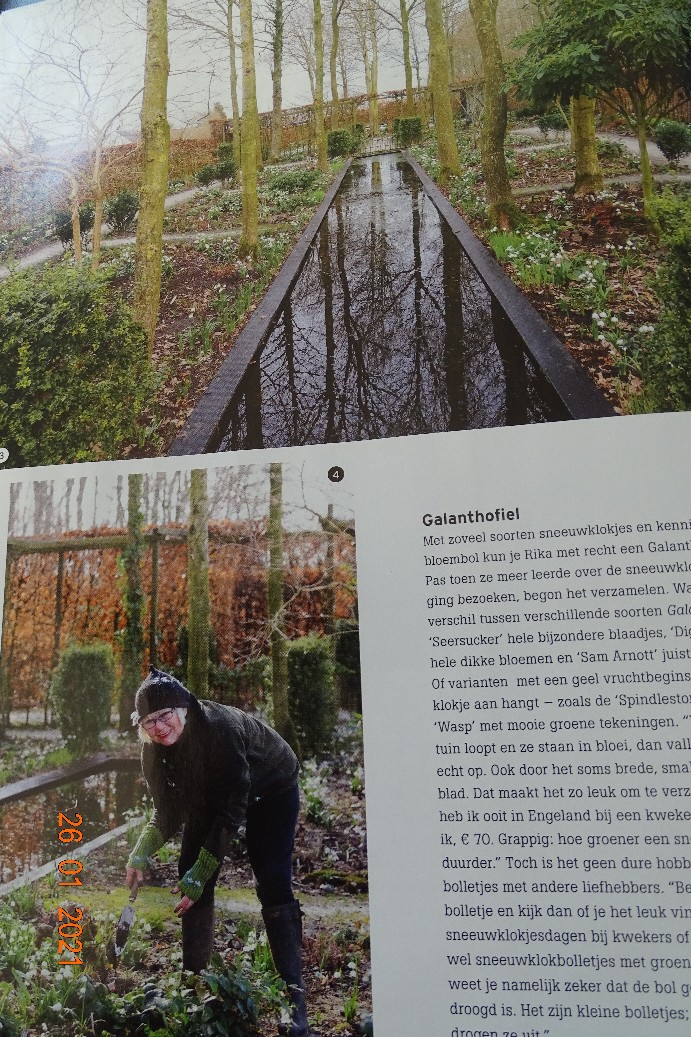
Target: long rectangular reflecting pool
(388, 330)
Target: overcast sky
(111, 37)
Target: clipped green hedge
(673, 139)
(312, 694)
(82, 691)
(75, 368)
(347, 652)
(339, 142)
(407, 130)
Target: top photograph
(239, 224)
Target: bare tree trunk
(439, 81)
(133, 645)
(276, 610)
(98, 207)
(76, 228)
(502, 208)
(641, 128)
(407, 64)
(155, 156)
(589, 177)
(237, 144)
(198, 588)
(251, 150)
(276, 71)
(333, 64)
(374, 67)
(320, 129)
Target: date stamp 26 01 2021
(69, 929)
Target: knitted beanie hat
(159, 691)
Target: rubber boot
(197, 937)
(284, 933)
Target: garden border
(565, 376)
(567, 382)
(205, 427)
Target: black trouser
(270, 836)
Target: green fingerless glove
(148, 842)
(192, 882)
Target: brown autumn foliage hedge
(37, 625)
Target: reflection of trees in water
(29, 831)
(388, 331)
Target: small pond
(29, 826)
(388, 331)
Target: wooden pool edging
(205, 427)
(565, 376)
(566, 381)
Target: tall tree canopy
(635, 53)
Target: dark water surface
(388, 331)
(29, 827)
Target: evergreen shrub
(293, 180)
(663, 353)
(311, 692)
(407, 130)
(673, 139)
(224, 151)
(120, 211)
(347, 653)
(338, 143)
(611, 150)
(75, 368)
(82, 691)
(206, 175)
(358, 134)
(225, 169)
(550, 120)
(62, 223)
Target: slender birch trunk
(407, 64)
(276, 73)
(276, 610)
(251, 149)
(155, 156)
(133, 646)
(198, 587)
(320, 129)
(333, 64)
(237, 133)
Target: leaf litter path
(54, 250)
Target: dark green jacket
(224, 760)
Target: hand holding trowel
(125, 922)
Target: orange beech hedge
(90, 608)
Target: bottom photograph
(182, 793)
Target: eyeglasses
(164, 717)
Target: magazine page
(311, 556)
(521, 600)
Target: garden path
(622, 178)
(559, 136)
(54, 249)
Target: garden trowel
(124, 925)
